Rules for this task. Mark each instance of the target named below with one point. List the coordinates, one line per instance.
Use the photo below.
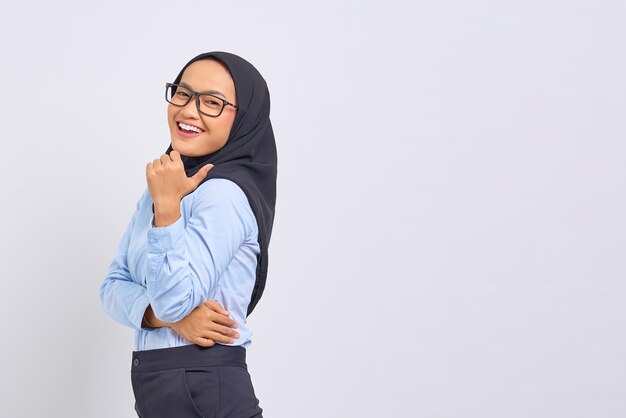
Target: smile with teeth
(185, 127)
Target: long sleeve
(185, 261)
(123, 299)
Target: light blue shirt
(210, 252)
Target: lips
(189, 127)
(188, 130)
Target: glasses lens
(210, 104)
(177, 95)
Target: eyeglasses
(207, 104)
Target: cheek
(220, 129)
(170, 116)
(227, 124)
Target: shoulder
(220, 195)
(220, 190)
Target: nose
(190, 110)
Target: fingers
(224, 320)
(219, 318)
(226, 331)
(216, 307)
(175, 156)
(152, 166)
(204, 342)
(165, 159)
(219, 338)
(201, 174)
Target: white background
(449, 235)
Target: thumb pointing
(201, 174)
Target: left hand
(167, 181)
(206, 325)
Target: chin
(182, 148)
(187, 149)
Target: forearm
(151, 321)
(173, 285)
(121, 297)
(123, 300)
(181, 270)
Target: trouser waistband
(188, 356)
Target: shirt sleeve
(185, 261)
(121, 297)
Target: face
(203, 76)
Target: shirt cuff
(139, 309)
(165, 238)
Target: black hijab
(249, 156)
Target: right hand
(207, 324)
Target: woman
(192, 263)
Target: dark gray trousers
(193, 382)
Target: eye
(182, 93)
(212, 102)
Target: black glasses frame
(197, 95)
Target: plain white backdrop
(449, 235)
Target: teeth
(189, 127)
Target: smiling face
(205, 75)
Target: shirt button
(152, 241)
(136, 362)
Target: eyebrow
(204, 92)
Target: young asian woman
(192, 263)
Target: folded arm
(205, 325)
(185, 262)
(121, 297)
